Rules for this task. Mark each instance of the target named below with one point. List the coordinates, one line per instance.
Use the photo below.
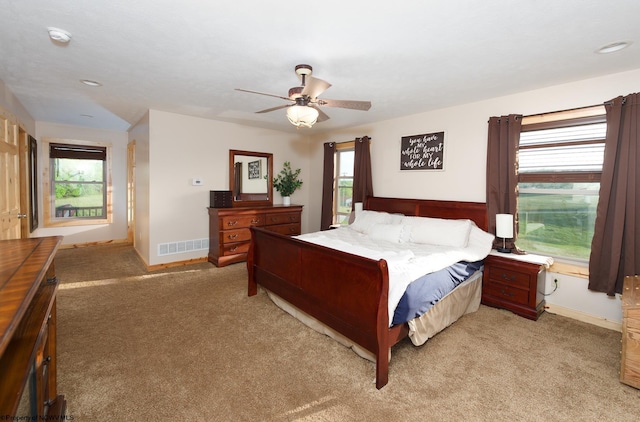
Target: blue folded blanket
(426, 291)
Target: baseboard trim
(175, 264)
(98, 243)
(581, 316)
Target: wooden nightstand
(514, 282)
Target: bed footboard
(344, 291)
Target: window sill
(77, 222)
(570, 268)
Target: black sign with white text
(422, 152)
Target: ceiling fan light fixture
(302, 116)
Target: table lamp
(504, 229)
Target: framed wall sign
(254, 169)
(422, 152)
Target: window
(78, 190)
(343, 183)
(560, 163)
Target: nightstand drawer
(503, 291)
(509, 276)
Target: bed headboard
(474, 211)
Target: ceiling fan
(303, 109)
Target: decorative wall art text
(422, 152)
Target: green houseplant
(286, 182)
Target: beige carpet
(188, 344)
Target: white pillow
(366, 218)
(386, 232)
(480, 239)
(439, 231)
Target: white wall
(117, 230)
(10, 103)
(139, 134)
(182, 148)
(464, 174)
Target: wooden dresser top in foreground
(22, 262)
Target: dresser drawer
(283, 218)
(236, 222)
(509, 276)
(235, 248)
(287, 229)
(503, 291)
(233, 236)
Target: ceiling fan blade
(274, 108)
(262, 93)
(352, 104)
(314, 87)
(322, 116)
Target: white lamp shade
(504, 226)
(358, 207)
(302, 115)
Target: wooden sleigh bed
(347, 293)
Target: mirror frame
(251, 199)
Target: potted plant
(286, 182)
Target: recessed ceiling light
(610, 48)
(88, 116)
(90, 82)
(59, 35)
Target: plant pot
(286, 200)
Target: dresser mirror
(250, 178)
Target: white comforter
(406, 261)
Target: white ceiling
(406, 56)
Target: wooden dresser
(28, 287)
(229, 234)
(630, 356)
(513, 284)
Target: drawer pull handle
(510, 278)
(274, 218)
(235, 248)
(510, 294)
(232, 236)
(256, 221)
(232, 223)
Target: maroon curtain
(615, 248)
(326, 217)
(362, 180)
(502, 172)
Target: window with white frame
(343, 183)
(78, 191)
(560, 163)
